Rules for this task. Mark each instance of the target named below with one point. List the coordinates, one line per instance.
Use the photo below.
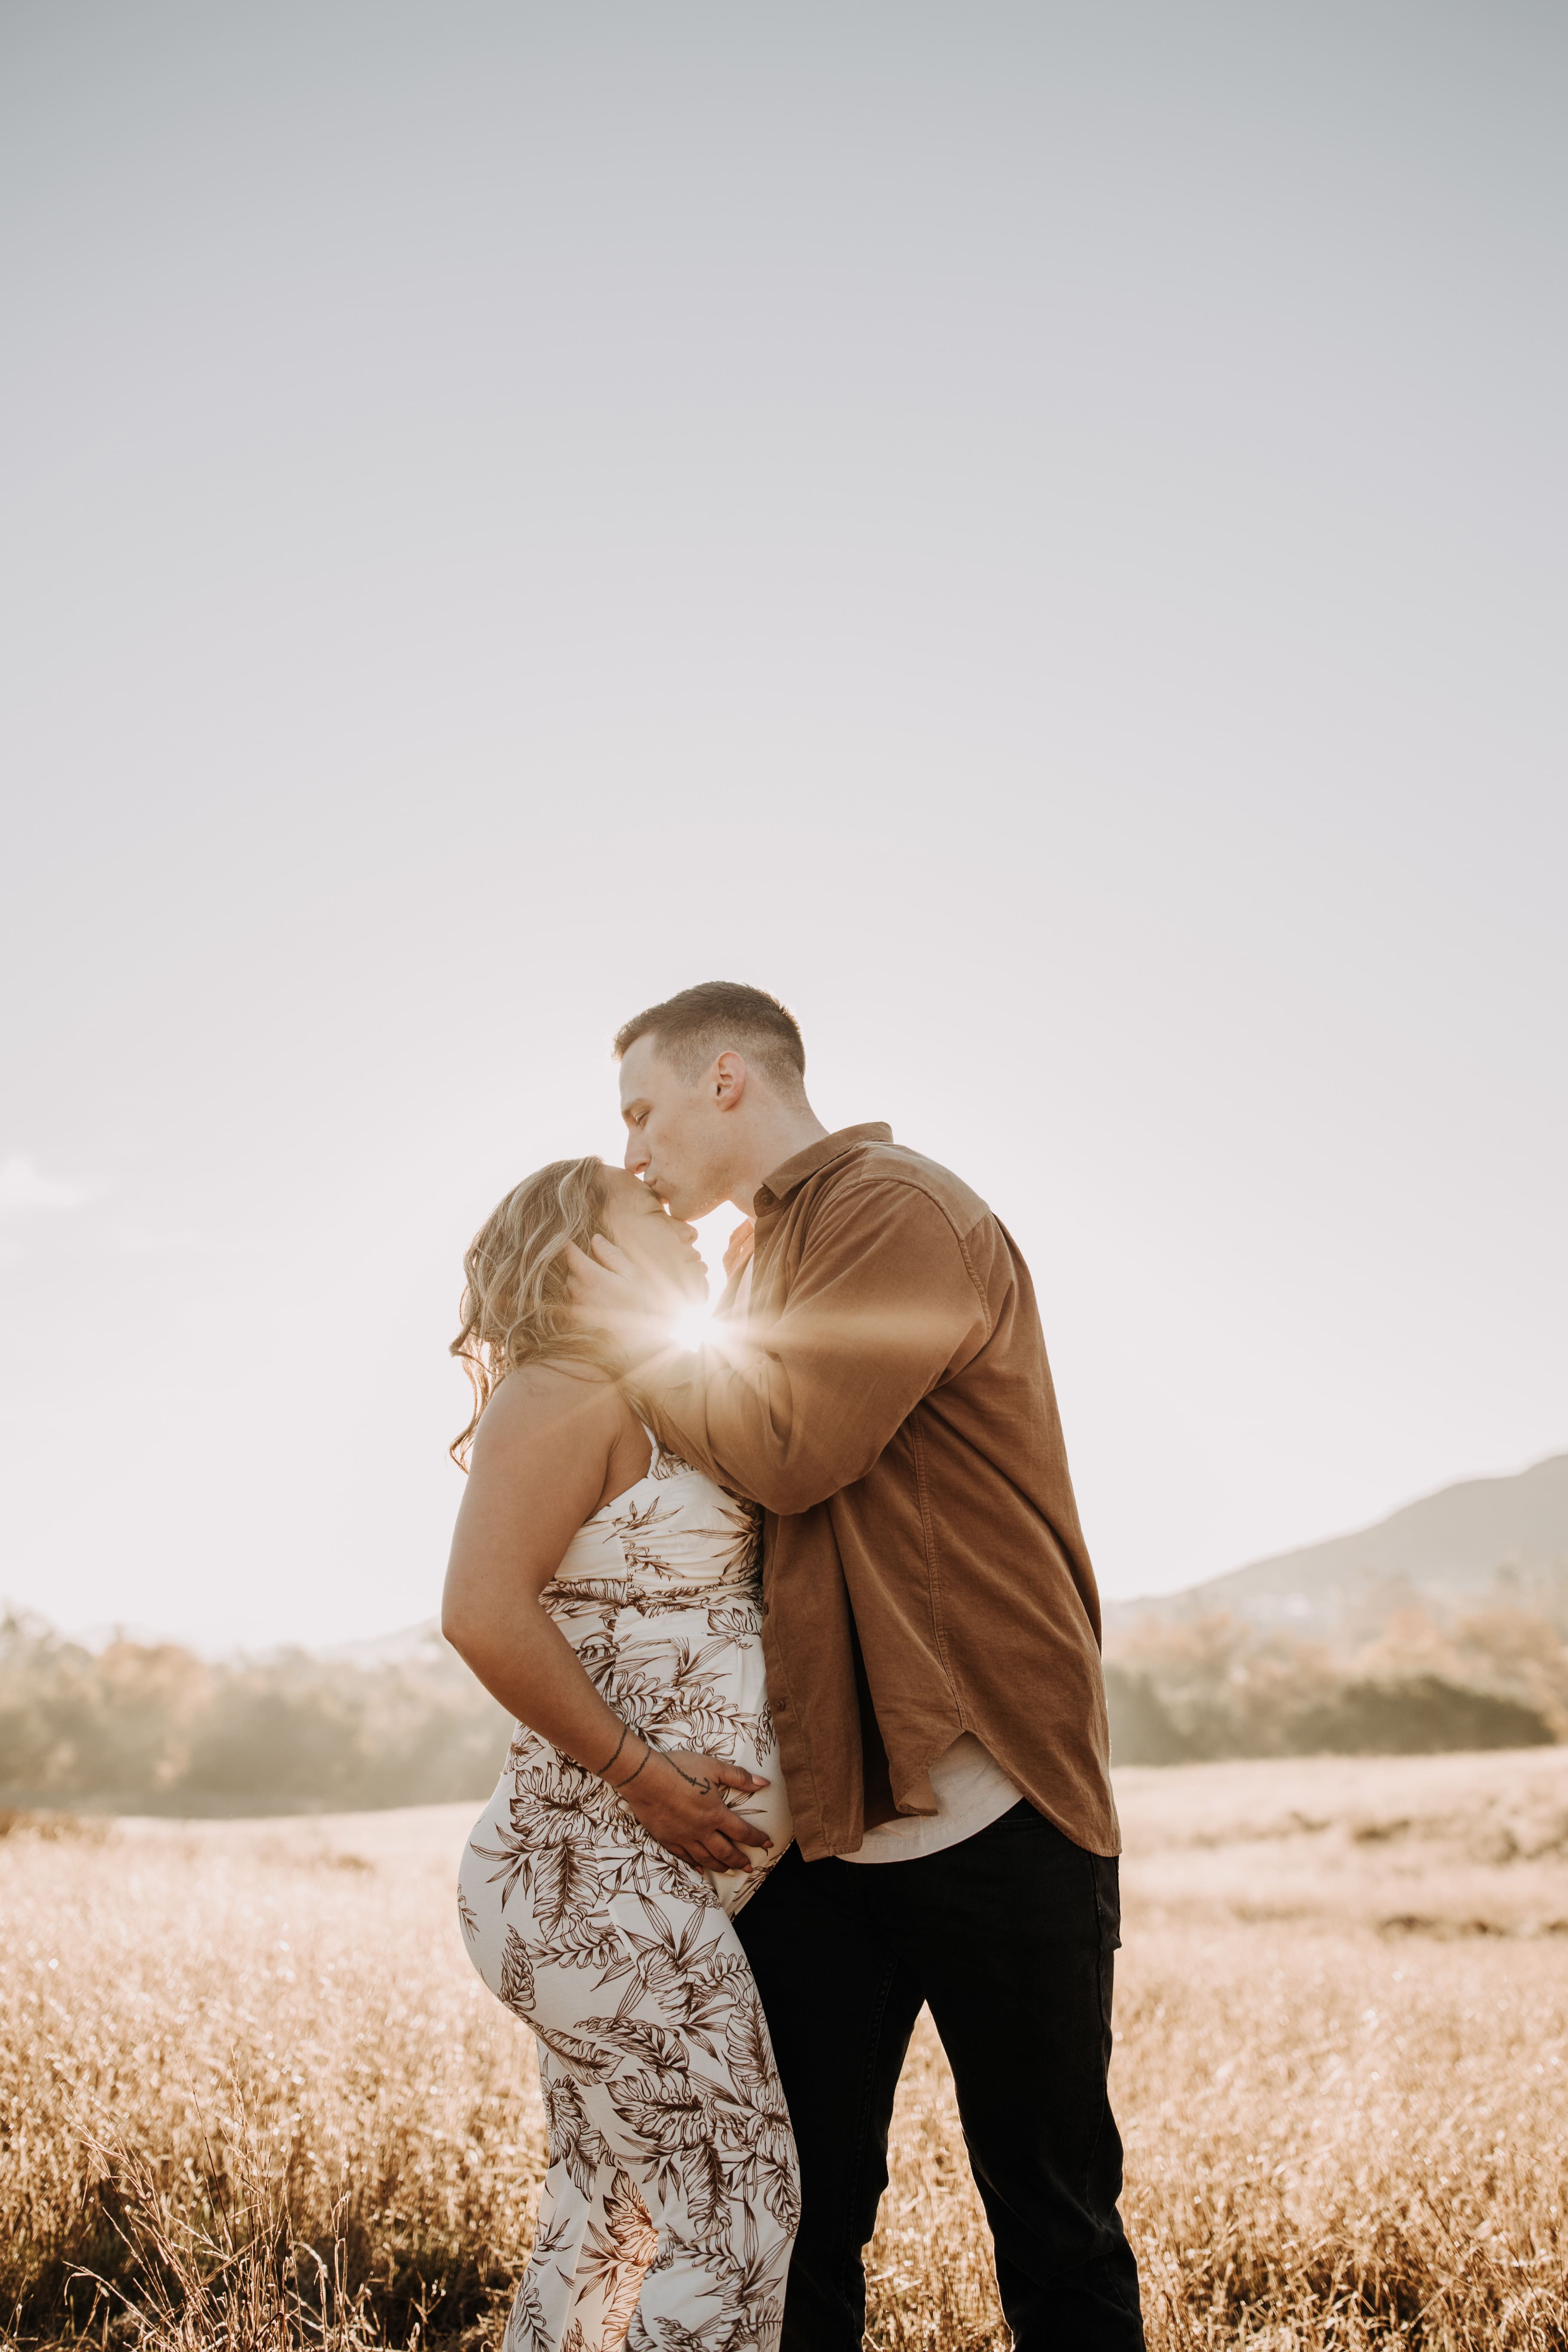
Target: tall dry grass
(252, 2095)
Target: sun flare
(691, 1326)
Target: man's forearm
(777, 1438)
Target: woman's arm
(542, 1462)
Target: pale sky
(1035, 533)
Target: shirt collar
(776, 1188)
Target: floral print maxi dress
(671, 2197)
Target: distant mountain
(1489, 1538)
(411, 1646)
(421, 1645)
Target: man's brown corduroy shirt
(890, 1406)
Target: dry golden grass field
(249, 2082)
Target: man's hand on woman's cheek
(634, 1305)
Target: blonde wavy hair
(514, 1307)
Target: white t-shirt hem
(972, 1791)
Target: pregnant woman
(609, 1596)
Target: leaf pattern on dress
(619, 2256)
(574, 2140)
(580, 1941)
(707, 2182)
(528, 2327)
(708, 1996)
(630, 2223)
(663, 1959)
(583, 2061)
(516, 1974)
(671, 2112)
(641, 2039)
(746, 2045)
(565, 1884)
(754, 2120)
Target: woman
(608, 1595)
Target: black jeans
(1008, 1936)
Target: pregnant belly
(746, 1738)
(688, 1680)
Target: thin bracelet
(619, 1745)
(619, 1785)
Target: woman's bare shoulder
(553, 1401)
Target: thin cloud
(24, 1185)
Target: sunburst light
(691, 1326)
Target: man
(932, 1635)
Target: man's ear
(729, 1080)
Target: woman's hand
(676, 1797)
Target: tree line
(142, 1726)
(152, 1728)
(1184, 1687)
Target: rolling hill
(1485, 1539)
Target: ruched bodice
(674, 1540)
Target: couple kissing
(801, 1641)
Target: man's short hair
(691, 1031)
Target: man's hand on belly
(678, 1799)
